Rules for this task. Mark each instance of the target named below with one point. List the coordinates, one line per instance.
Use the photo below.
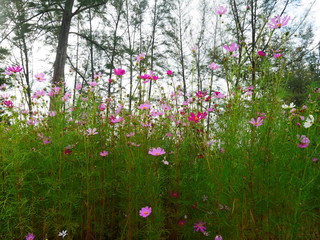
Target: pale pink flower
(257, 122)
(214, 66)
(92, 131)
(156, 151)
(145, 212)
(140, 57)
(3, 86)
(144, 106)
(38, 94)
(96, 76)
(52, 113)
(221, 10)
(120, 106)
(233, 47)
(40, 77)
(278, 22)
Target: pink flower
(119, 71)
(144, 106)
(214, 66)
(13, 69)
(114, 119)
(104, 153)
(261, 53)
(156, 151)
(278, 22)
(166, 107)
(96, 76)
(78, 86)
(52, 113)
(218, 237)
(201, 94)
(145, 212)
(30, 236)
(40, 77)
(93, 84)
(140, 57)
(304, 141)
(278, 55)
(8, 103)
(315, 159)
(200, 227)
(102, 107)
(218, 95)
(120, 106)
(169, 73)
(38, 94)
(194, 118)
(233, 47)
(221, 10)
(257, 122)
(92, 131)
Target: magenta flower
(30, 236)
(233, 47)
(221, 10)
(116, 119)
(13, 69)
(200, 227)
(278, 55)
(214, 66)
(201, 94)
(169, 73)
(261, 53)
(278, 22)
(104, 153)
(194, 118)
(92, 131)
(218, 237)
(119, 71)
(40, 77)
(144, 106)
(304, 141)
(257, 122)
(145, 212)
(156, 151)
(8, 103)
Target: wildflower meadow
(237, 163)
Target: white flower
(285, 106)
(63, 233)
(309, 121)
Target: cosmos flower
(119, 71)
(309, 121)
(278, 22)
(198, 117)
(145, 211)
(30, 236)
(200, 227)
(40, 77)
(214, 66)
(257, 122)
(233, 47)
(221, 10)
(304, 141)
(63, 233)
(156, 151)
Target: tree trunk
(61, 53)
